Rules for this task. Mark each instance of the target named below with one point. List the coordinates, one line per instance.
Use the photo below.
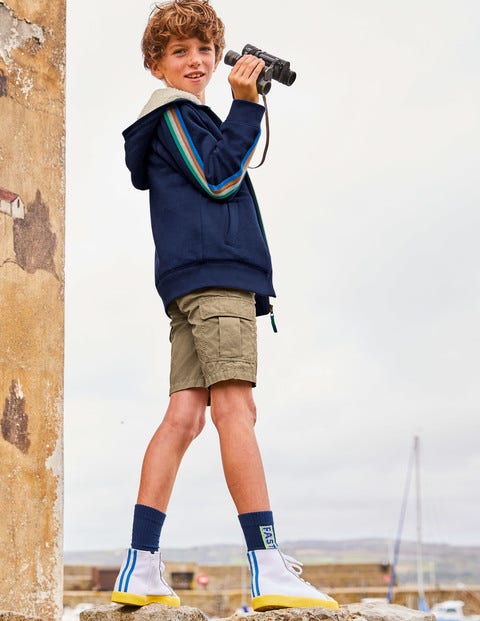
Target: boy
(213, 272)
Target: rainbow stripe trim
(194, 162)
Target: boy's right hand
(243, 77)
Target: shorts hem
(247, 374)
(185, 385)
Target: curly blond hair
(183, 19)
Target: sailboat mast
(398, 539)
(420, 582)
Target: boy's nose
(193, 61)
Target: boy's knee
(232, 402)
(186, 415)
(198, 425)
(233, 416)
(188, 425)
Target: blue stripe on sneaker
(255, 585)
(134, 562)
(251, 573)
(125, 569)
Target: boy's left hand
(243, 77)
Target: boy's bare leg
(233, 413)
(183, 421)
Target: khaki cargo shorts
(213, 337)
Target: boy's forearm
(245, 113)
(216, 163)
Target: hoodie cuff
(246, 112)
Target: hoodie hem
(226, 275)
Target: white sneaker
(276, 583)
(140, 581)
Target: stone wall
(182, 575)
(32, 45)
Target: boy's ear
(156, 71)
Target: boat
(450, 610)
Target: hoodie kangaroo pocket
(231, 224)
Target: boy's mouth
(194, 76)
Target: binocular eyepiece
(275, 68)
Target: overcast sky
(370, 197)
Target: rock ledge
(372, 611)
(16, 616)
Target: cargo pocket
(228, 328)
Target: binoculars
(275, 68)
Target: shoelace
(295, 566)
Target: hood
(139, 135)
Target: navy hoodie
(205, 218)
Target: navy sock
(147, 526)
(259, 530)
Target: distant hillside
(443, 563)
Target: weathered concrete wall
(32, 44)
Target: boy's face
(187, 64)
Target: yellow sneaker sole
(271, 602)
(130, 599)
